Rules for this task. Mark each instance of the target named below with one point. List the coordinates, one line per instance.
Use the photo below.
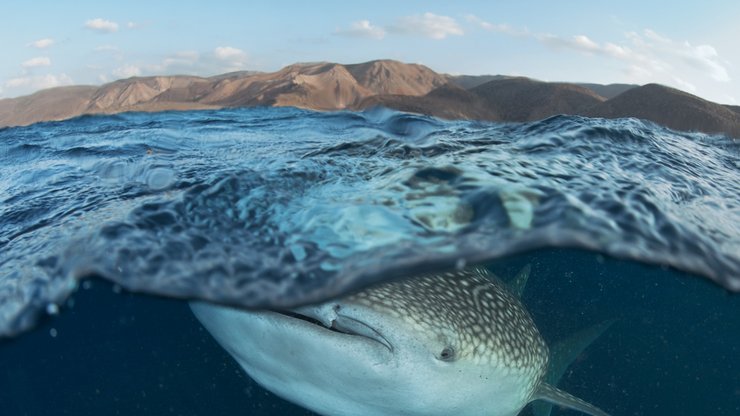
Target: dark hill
(734, 108)
(608, 91)
(672, 108)
(523, 99)
(448, 101)
(471, 81)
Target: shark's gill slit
(344, 325)
(308, 319)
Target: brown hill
(150, 94)
(319, 86)
(326, 86)
(672, 108)
(524, 99)
(406, 87)
(393, 77)
(51, 104)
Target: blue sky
(688, 46)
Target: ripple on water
(278, 206)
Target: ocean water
(108, 222)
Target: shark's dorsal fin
(515, 285)
(562, 355)
(519, 282)
(554, 395)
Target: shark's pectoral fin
(565, 351)
(556, 396)
(562, 354)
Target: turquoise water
(620, 219)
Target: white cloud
(180, 62)
(704, 57)
(107, 53)
(232, 59)
(647, 56)
(495, 27)
(363, 29)
(36, 62)
(650, 34)
(38, 82)
(228, 52)
(584, 43)
(684, 85)
(660, 53)
(102, 25)
(428, 24)
(619, 52)
(132, 25)
(479, 22)
(658, 56)
(580, 43)
(188, 55)
(41, 43)
(217, 61)
(18, 82)
(126, 71)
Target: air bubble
(52, 309)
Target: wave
(274, 207)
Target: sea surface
(107, 223)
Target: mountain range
(406, 87)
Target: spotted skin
(457, 342)
(483, 321)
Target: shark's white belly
(336, 374)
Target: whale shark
(458, 342)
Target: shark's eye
(447, 354)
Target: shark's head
(451, 343)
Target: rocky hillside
(407, 87)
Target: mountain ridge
(329, 86)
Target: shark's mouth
(343, 325)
